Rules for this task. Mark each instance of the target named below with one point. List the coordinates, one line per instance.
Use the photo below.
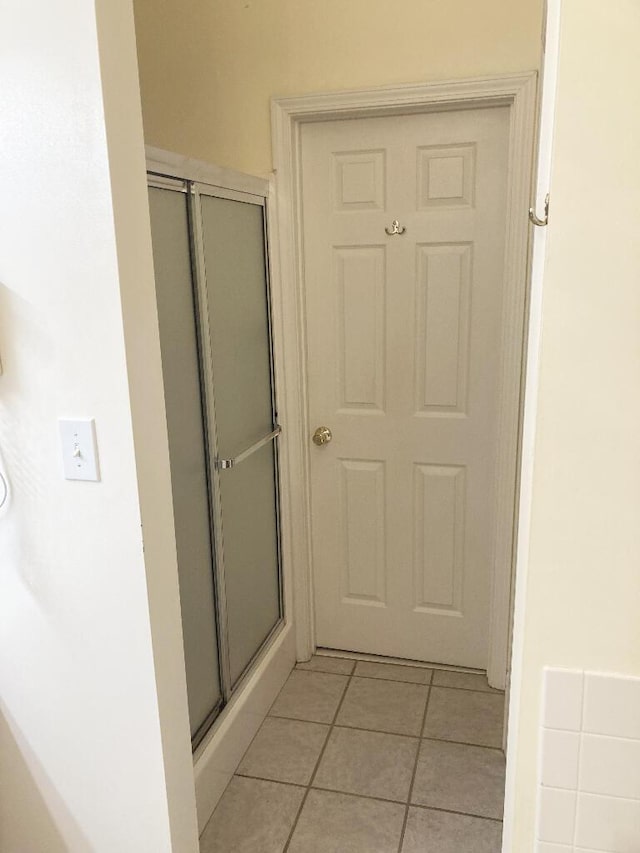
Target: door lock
(322, 436)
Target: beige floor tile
(393, 672)
(465, 716)
(460, 778)
(463, 680)
(368, 763)
(252, 817)
(439, 832)
(385, 706)
(339, 823)
(322, 663)
(284, 751)
(312, 696)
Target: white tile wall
(610, 766)
(557, 815)
(608, 823)
(560, 753)
(545, 847)
(612, 705)
(563, 690)
(589, 773)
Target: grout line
(579, 768)
(596, 794)
(325, 789)
(317, 765)
(452, 811)
(485, 692)
(415, 770)
(489, 692)
(244, 754)
(382, 659)
(370, 797)
(358, 796)
(386, 732)
(341, 654)
(370, 677)
(204, 829)
(303, 666)
(273, 781)
(375, 731)
(333, 724)
(464, 743)
(349, 726)
(585, 733)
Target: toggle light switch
(79, 450)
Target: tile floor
(361, 757)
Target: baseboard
(218, 756)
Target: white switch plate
(79, 450)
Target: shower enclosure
(212, 284)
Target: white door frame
(544, 157)
(518, 92)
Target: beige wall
(209, 67)
(583, 597)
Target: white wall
(583, 586)
(90, 722)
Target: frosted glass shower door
(237, 305)
(187, 450)
(212, 288)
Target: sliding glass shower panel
(237, 295)
(233, 236)
(187, 449)
(250, 555)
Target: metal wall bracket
(535, 219)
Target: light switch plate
(79, 450)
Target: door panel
(404, 350)
(359, 273)
(249, 520)
(438, 556)
(363, 560)
(442, 337)
(185, 419)
(235, 264)
(233, 242)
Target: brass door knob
(322, 436)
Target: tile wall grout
(583, 703)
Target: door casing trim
(288, 114)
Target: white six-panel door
(404, 347)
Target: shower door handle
(223, 464)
